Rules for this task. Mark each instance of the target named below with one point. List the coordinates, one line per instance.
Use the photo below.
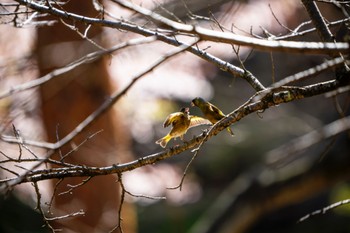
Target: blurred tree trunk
(68, 100)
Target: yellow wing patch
(196, 120)
(172, 118)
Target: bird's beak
(192, 104)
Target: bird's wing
(196, 120)
(172, 118)
(216, 110)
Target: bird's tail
(163, 141)
(230, 131)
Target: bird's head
(197, 101)
(185, 110)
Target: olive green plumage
(210, 111)
(180, 122)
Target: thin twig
(284, 152)
(83, 36)
(10, 171)
(39, 208)
(49, 204)
(72, 187)
(277, 20)
(80, 144)
(179, 186)
(82, 60)
(20, 141)
(75, 214)
(122, 197)
(144, 196)
(325, 209)
(310, 72)
(297, 33)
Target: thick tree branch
(221, 64)
(325, 34)
(283, 95)
(271, 98)
(318, 20)
(241, 204)
(202, 33)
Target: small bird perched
(181, 122)
(210, 111)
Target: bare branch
(17, 136)
(179, 186)
(83, 60)
(310, 72)
(39, 208)
(183, 37)
(122, 197)
(278, 21)
(269, 45)
(72, 187)
(202, 33)
(283, 152)
(142, 31)
(296, 32)
(284, 95)
(104, 107)
(325, 209)
(8, 170)
(80, 144)
(318, 20)
(71, 215)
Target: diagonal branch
(102, 108)
(230, 38)
(92, 118)
(325, 209)
(290, 151)
(318, 20)
(313, 71)
(202, 33)
(285, 95)
(221, 64)
(83, 60)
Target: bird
(210, 111)
(180, 122)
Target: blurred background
(236, 184)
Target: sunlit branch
(318, 20)
(102, 108)
(310, 72)
(83, 60)
(221, 64)
(230, 38)
(297, 32)
(325, 209)
(203, 34)
(286, 95)
(90, 119)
